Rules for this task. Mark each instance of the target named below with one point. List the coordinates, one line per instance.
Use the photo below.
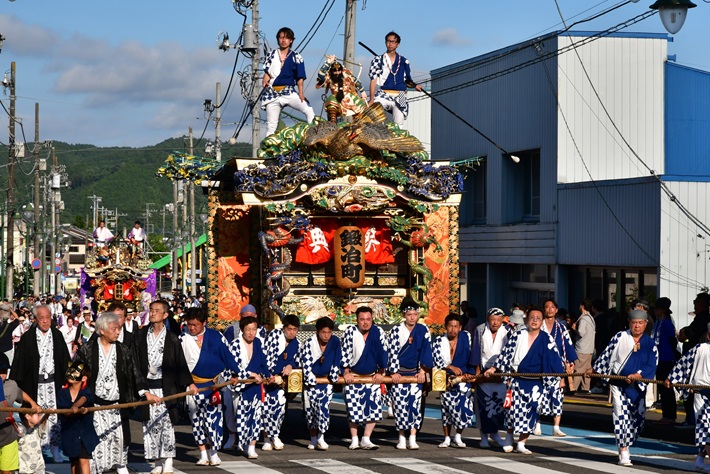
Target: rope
(473, 378)
(69, 411)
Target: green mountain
(123, 177)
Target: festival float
(329, 217)
(118, 271)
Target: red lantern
(349, 258)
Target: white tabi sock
(168, 465)
(203, 455)
(457, 437)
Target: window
(522, 187)
(531, 186)
(473, 202)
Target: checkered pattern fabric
(523, 415)
(603, 363)
(392, 347)
(318, 407)
(347, 346)
(274, 411)
(553, 399)
(456, 407)
(206, 419)
(628, 417)
(702, 420)
(407, 404)
(269, 94)
(389, 102)
(271, 347)
(249, 416)
(364, 403)
(683, 369)
(305, 360)
(376, 67)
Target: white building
(581, 215)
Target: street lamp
(673, 13)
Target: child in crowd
(30, 444)
(79, 438)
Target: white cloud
(450, 37)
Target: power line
(306, 38)
(653, 173)
(688, 281)
(540, 58)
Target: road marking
(642, 447)
(423, 467)
(245, 467)
(670, 463)
(510, 465)
(585, 464)
(332, 466)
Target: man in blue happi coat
(319, 356)
(409, 351)
(533, 351)
(281, 349)
(364, 354)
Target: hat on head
(408, 304)
(247, 308)
(638, 314)
(517, 317)
(86, 311)
(664, 303)
(495, 312)
(129, 310)
(643, 303)
(703, 297)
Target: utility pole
(193, 246)
(10, 204)
(53, 223)
(147, 217)
(96, 200)
(256, 84)
(349, 46)
(176, 240)
(217, 127)
(35, 223)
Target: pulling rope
(474, 378)
(117, 406)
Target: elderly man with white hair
(633, 354)
(39, 367)
(115, 378)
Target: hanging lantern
(349, 259)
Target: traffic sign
(57, 261)
(57, 269)
(36, 264)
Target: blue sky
(133, 73)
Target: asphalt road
(589, 447)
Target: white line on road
(332, 466)
(423, 467)
(510, 465)
(246, 467)
(597, 466)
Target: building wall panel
(627, 74)
(684, 247)
(513, 110)
(612, 223)
(521, 243)
(687, 96)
